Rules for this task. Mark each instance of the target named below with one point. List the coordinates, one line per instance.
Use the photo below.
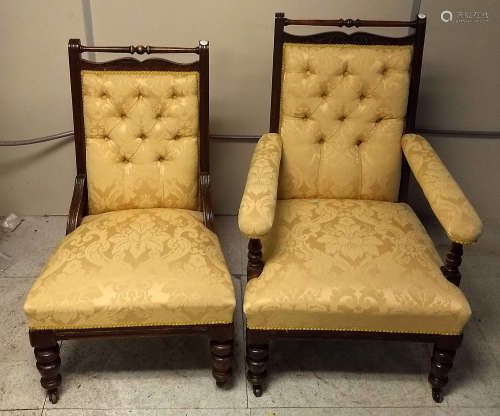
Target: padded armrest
(448, 202)
(256, 215)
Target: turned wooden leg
(452, 262)
(441, 363)
(222, 357)
(257, 357)
(255, 264)
(48, 363)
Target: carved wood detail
(356, 38)
(222, 357)
(452, 262)
(346, 22)
(441, 364)
(206, 201)
(132, 64)
(79, 203)
(255, 264)
(48, 363)
(257, 358)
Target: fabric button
(358, 142)
(342, 118)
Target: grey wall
(36, 94)
(35, 101)
(460, 83)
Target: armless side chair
(334, 251)
(140, 257)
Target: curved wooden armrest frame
(206, 201)
(79, 203)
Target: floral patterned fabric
(134, 268)
(352, 265)
(455, 213)
(343, 109)
(257, 207)
(141, 137)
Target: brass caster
(257, 390)
(437, 395)
(53, 396)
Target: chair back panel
(342, 115)
(141, 139)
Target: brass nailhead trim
(127, 324)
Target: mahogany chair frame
(45, 342)
(257, 341)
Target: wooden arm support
(78, 206)
(452, 262)
(206, 201)
(255, 264)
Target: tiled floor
(171, 376)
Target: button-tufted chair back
(342, 110)
(342, 117)
(141, 136)
(141, 131)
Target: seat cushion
(134, 268)
(352, 265)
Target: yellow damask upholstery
(257, 207)
(449, 204)
(342, 117)
(352, 265)
(141, 139)
(134, 268)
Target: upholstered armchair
(334, 250)
(140, 257)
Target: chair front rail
(46, 337)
